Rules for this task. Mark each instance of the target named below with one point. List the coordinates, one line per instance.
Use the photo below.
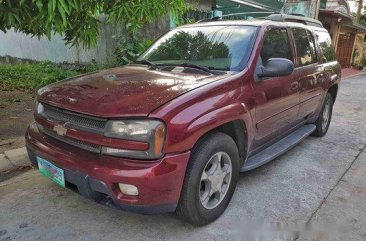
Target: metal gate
(344, 49)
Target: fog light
(128, 189)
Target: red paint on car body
(190, 105)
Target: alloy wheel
(215, 180)
(326, 115)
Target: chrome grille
(74, 119)
(81, 144)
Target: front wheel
(210, 179)
(325, 116)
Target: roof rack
(294, 18)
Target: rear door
(327, 59)
(277, 98)
(308, 72)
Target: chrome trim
(77, 143)
(73, 119)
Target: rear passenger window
(305, 54)
(325, 43)
(313, 46)
(276, 45)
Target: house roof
(348, 19)
(335, 13)
(360, 28)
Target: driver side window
(276, 45)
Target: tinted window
(325, 43)
(276, 45)
(215, 47)
(313, 46)
(305, 55)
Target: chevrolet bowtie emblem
(60, 130)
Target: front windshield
(215, 47)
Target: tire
(325, 117)
(193, 207)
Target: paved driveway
(321, 181)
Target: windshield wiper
(194, 66)
(146, 62)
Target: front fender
(191, 116)
(185, 138)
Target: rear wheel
(210, 179)
(325, 116)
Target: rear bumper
(96, 176)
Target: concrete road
(316, 191)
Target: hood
(124, 91)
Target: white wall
(24, 46)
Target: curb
(13, 159)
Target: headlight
(150, 131)
(39, 108)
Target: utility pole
(359, 9)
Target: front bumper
(96, 176)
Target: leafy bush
(363, 20)
(130, 50)
(131, 44)
(32, 76)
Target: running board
(278, 148)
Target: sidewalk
(13, 154)
(349, 72)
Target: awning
(347, 20)
(335, 14)
(243, 9)
(268, 5)
(358, 27)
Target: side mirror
(276, 67)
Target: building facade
(347, 35)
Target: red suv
(172, 132)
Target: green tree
(77, 20)
(363, 20)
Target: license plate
(51, 171)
